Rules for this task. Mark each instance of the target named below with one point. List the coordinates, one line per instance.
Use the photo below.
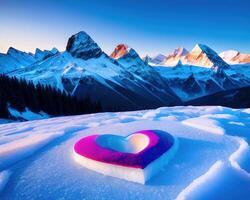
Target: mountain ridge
(124, 79)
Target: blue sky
(149, 26)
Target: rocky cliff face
(82, 46)
(120, 50)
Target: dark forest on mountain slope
(235, 98)
(20, 94)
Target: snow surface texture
(37, 162)
(27, 114)
(136, 157)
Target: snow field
(36, 160)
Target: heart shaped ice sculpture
(136, 157)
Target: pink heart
(136, 157)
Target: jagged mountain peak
(15, 59)
(132, 57)
(120, 50)
(159, 58)
(37, 51)
(204, 56)
(229, 53)
(132, 52)
(43, 54)
(81, 45)
(81, 37)
(124, 52)
(12, 50)
(54, 50)
(178, 64)
(173, 58)
(234, 57)
(17, 54)
(146, 59)
(203, 48)
(180, 51)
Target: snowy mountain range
(199, 56)
(175, 57)
(126, 81)
(234, 57)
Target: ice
(211, 162)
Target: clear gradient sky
(149, 26)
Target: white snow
(205, 123)
(36, 159)
(27, 114)
(199, 181)
(4, 177)
(4, 121)
(229, 55)
(63, 65)
(156, 60)
(83, 42)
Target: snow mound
(205, 124)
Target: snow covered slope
(15, 59)
(155, 60)
(212, 161)
(234, 57)
(42, 55)
(81, 45)
(201, 72)
(203, 56)
(26, 115)
(150, 78)
(84, 70)
(120, 50)
(175, 57)
(190, 81)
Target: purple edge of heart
(160, 142)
